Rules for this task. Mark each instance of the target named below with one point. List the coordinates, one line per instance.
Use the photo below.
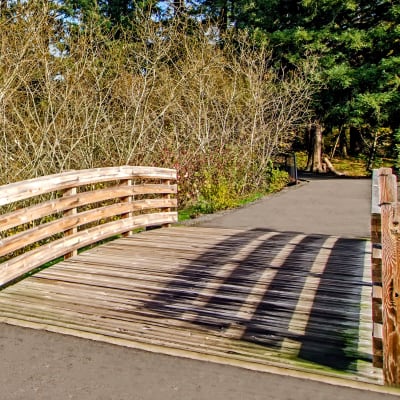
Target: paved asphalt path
(327, 206)
(41, 365)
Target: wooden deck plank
(255, 296)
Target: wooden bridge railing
(45, 218)
(385, 238)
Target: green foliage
(276, 179)
(355, 45)
(110, 14)
(397, 137)
(340, 75)
(216, 192)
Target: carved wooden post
(376, 274)
(71, 211)
(390, 279)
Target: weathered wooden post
(376, 273)
(167, 196)
(390, 277)
(71, 211)
(127, 199)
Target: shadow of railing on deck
(267, 287)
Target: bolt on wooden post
(390, 277)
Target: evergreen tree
(117, 12)
(356, 45)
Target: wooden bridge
(252, 298)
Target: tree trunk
(331, 168)
(355, 141)
(343, 143)
(372, 151)
(314, 162)
(224, 16)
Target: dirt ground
(42, 365)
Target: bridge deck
(250, 298)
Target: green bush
(276, 179)
(216, 193)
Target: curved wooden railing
(385, 238)
(45, 218)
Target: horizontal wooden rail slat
(133, 197)
(24, 215)
(26, 262)
(35, 187)
(49, 229)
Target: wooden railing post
(68, 212)
(167, 196)
(376, 274)
(390, 278)
(127, 199)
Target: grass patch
(252, 197)
(187, 213)
(356, 166)
(195, 210)
(351, 166)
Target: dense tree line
(354, 44)
(351, 50)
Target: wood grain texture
(82, 210)
(387, 186)
(391, 334)
(37, 211)
(34, 187)
(390, 277)
(376, 270)
(69, 214)
(30, 260)
(249, 297)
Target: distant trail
(323, 206)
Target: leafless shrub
(164, 97)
